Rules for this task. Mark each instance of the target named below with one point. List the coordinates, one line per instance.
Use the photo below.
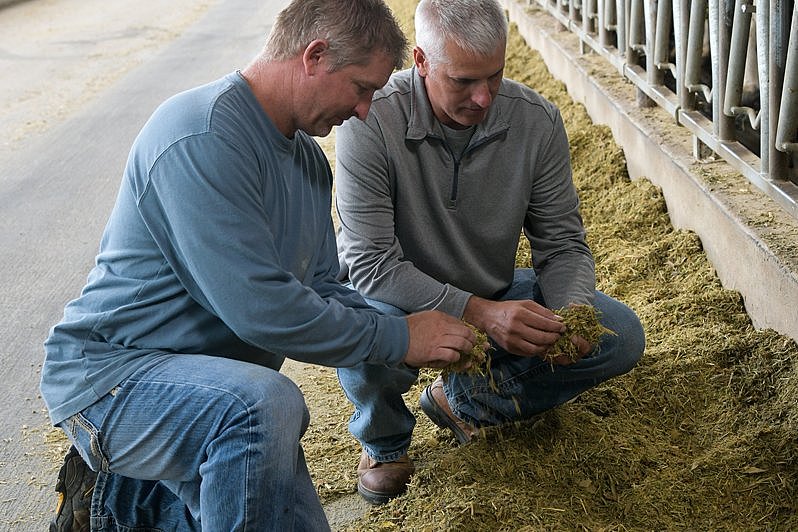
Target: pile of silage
(702, 435)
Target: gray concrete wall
(657, 149)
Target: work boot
(436, 406)
(75, 487)
(379, 482)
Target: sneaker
(75, 487)
(379, 482)
(436, 406)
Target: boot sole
(374, 498)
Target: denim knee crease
(87, 440)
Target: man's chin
(322, 131)
(471, 118)
(327, 128)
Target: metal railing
(726, 70)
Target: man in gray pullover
(433, 190)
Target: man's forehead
(460, 63)
(374, 73)
(477, 68)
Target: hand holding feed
(522, 327)
(436, 339)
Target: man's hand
(436, 339)
(522, 328)
(582, 346)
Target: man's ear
(420, 60)
(314, 55)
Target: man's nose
(482, 95)
(362, 107)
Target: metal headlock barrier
(726, 70)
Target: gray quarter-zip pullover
(422, 228)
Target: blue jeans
(196, 442)
(526, 386)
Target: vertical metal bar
(588, 12)
(610, 22)
(763, 66)
(661, 54)
(739, 44)
(646, 34)
(603, 23)
(715, 20)
(681, 24)
(694, 52)
(620, 21)
(636, 41)
(720, 36)
(788, 115)
(738, 52)
(778, 17)
(654, 75)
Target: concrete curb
(742, 259)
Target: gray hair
(353, 29)
(475, 26)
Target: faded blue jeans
(527, 386)
(196, 442)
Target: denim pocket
(86, 438)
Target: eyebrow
(465, 78)
(367, 84)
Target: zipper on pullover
(455, 180)
(457, 160)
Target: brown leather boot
(379, 482)
(436, 406)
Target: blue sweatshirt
(220, 243)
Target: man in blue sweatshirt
(433, 191)
(218, 262)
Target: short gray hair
(475, 26)
(353, 29)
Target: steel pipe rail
(741, 29)
(727, 70)
(788, 115)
